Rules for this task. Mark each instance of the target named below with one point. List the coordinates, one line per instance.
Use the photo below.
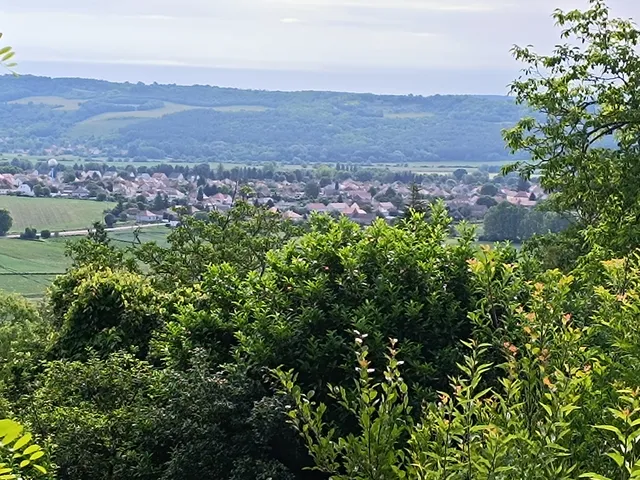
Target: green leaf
(30, 449)
(22, 441)
(594, 476)
(4, 50)
(617, 457)
(36, 455)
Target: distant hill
(224, 124)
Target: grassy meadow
(53, 214)
(21, 258)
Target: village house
(80, 192)
(25, 190)
(337, 207)
(292, 216)
(361, 196)
(145, 216)
(316, 207)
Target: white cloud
(319, 34)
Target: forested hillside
(161, 121)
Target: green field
(25, 257)
(55, 214)
(20, 258)
(59, 102)
(111, 122)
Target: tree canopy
(585, 140)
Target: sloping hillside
(159, 121)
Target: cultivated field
(111, 122)
(20, 259)
(53, 214)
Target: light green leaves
(7, 54)
(18, 452)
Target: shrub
(29, 234)
(45, 234)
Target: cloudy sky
(426, 46)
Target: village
(467, 196)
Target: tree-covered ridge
(231, 124)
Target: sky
(384, 46)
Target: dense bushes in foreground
(491, 356)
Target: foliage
(20, 458)
(539, 415)
(6, 221)
(382, 410)
(223, 423)
(100, 415)
(241, 237)
(23, 338)
(516, 223)
(111, 310)
(489, 189)
(401, 281)
(584, 143)
(109, 219)
(29, 234)
(291, 127)
(6, 57)
(45, 234)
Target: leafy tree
(123, 217)
(385, 281)
(312, 189)
(584, 142)
(101, 197)
(161, 202)
(110, 219)
(416, 203)
(112, 310)
(489, 189)
(200, 195)
(29, 234)
(486, 201)
(45, 234)
(241, 237)
(69, 177)
(6, 222)
(459, 173)
(23, 343)
(101, 416)
(503, 222)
